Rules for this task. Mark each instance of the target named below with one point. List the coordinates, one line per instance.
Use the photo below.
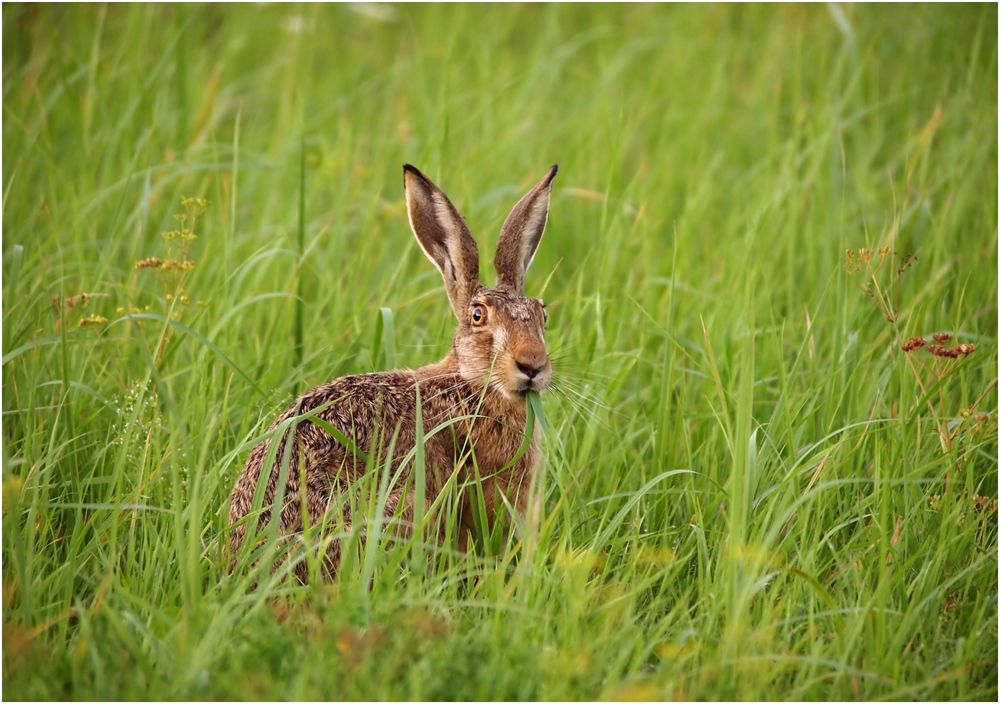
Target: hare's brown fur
(497, 356)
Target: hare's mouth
(537, 383)
(521, 394)
(519, 388)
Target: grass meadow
(752, 490)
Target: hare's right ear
(521, 233)
(444, 237)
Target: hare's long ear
(444, 237)
(521, 233)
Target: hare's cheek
(499, 340)
(484, 342)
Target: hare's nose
(532, 368)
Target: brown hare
(475, 397)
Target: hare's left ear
(444, 237)
(521, 233)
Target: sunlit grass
(751, 490)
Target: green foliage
(751, 490)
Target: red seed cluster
(953, 352)
(939, 350)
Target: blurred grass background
(753, 493)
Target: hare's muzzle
(534, 370)
(531, 370)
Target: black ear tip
(553, 171)
(411, 169)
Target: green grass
(748, 493)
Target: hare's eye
(478, 315)
(545, 317)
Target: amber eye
(478, 314)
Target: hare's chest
(497, 447)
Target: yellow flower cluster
(183, 235)
(164, 264)
(93, 320)
(194, 206)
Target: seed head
(983, 503)
(952, 353)
(77, 300)
(194, 206)
(851, 264)
(93, 320)
(907, 262)
(164, 264)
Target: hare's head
(500, 338)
